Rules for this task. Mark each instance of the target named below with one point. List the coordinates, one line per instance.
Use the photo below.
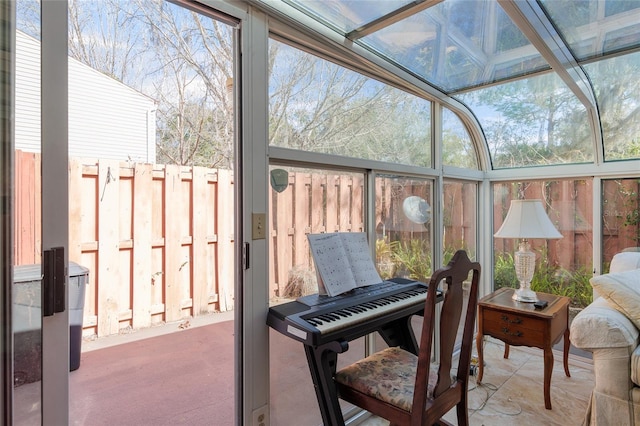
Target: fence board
(301, 183)
(332, 208)
(75, 211)
(357, 204)
(282, 248)
(108, 249)
(225, 225)
(199, 234)
(318, 191)
(345, 191)
(142, 236)
(172, 244)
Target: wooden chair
(391, 382)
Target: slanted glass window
(457, 148)
(617, 89)
(531, 122)
(318, 106)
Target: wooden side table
(520, 324)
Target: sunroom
(417, 123)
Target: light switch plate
(258, 226)
(260, 417)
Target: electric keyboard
(315, 320)
(325, 325)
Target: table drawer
(513, 328)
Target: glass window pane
(26, 201)
(533, 121)
(563, 266)
(318, 106)
(620, 218)
(617, 89)
(304, 201)
(460, 205)
(457, 148)
(308, 201)
(404, 227)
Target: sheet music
(359, 254)
(343, 261)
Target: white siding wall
(27, 111)
(106, 118)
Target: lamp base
(525, 295)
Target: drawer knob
(511, 321)
(506, 331)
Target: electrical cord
(488, 387)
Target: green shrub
(547, 279)
(573, 284)
(504, 273)
(413, 259)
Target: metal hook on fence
(108, 179)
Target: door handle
(54, 277)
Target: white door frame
(7, 142)
(55, 202)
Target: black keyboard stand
(323, 359)
(322, 350)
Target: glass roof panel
(454, 45)
(459, 44)
(532, 122)
(347, 15)
(596, 28)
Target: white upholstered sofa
(609, 329)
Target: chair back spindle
(407, 389)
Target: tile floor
(511, 392)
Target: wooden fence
(569, 204)
(158, 239)
(312, 203)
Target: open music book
(343, 262)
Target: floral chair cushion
(388, 375)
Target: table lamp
(526, 219)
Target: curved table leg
(479, 348)
(567, 342)
(548, 369)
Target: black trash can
(78, 280)
(27, 324)
(27, 318)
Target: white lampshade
(527, 219)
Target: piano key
(332, 321)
